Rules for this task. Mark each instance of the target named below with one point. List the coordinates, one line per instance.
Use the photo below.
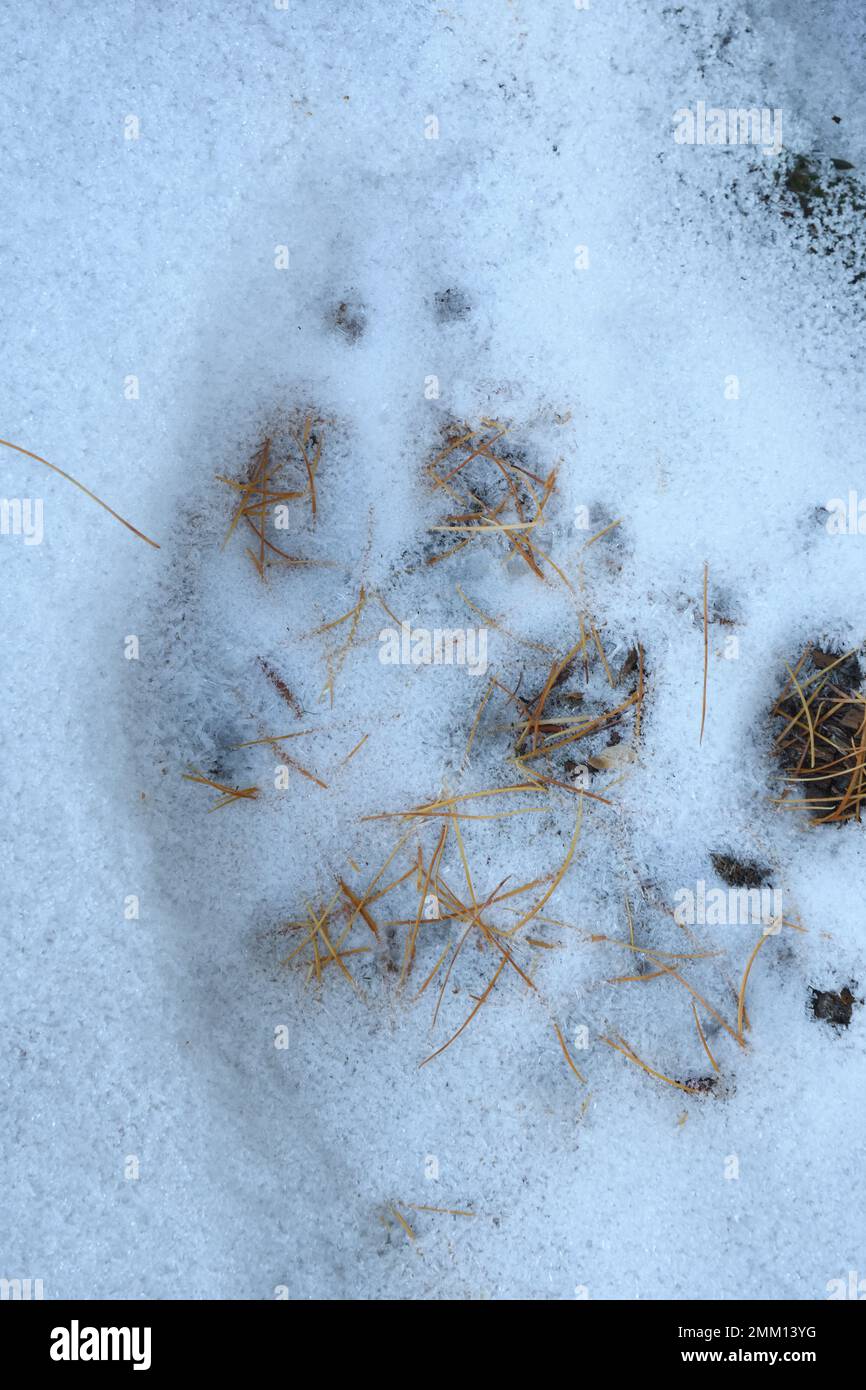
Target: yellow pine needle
(668, 955)
(495, 623)
(317, 964)
(440, 481)
(404, 1223)
(553, 744)
(630, 921)
(465, 1024)
(598, 535)
(479, 528)
(469, 815)
(298, 767)
(86, 490)
(412, 938)
(556, 670)
(335, 663)
(819, 676)
(273, 738)
(467, 875)
(310, 467)
(446, 554)
(442, 803)
(633, 1057)
(704, 1042)
(637, 979)
(341, 955)
(383, 605)
(675, 975)
(477, 720)
(536, 549)
(256, 478)
(395, 883)
(433, 973)
(319, 928)
(806, 711)
(557, 878)
(597, 640)
(545, 781)
(351, 755)
(338, 960)
(444, 1211)
(473, 916)
(359, 906)
(228, 794)
(366, 897)
(741, 1004)
(566, 1054)
(336, 622)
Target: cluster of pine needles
(274, 480)
(822, 742)
(421, 934)
(491, 494)
(414, 918)
(822, 746)
(575, 720)
(729, 1019)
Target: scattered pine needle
(273, 738)
(477, 720)
(557, 878)
(86, 490)
(741, 1004)
(623, 1047)
(349, 756)
(227, 794)
(566, 1054)
(358, 904)
(704, 1042)
(598, 535)
(465, 1024)
(298, 767)
(799, 689)
(444, 1211)
(404, 1223)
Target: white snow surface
(148, 1045)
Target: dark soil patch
(349, 319)
(823, 735)
(451, 305)
(740, 873)
(833, 1008)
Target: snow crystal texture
(379, 224)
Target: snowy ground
(192, 192)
